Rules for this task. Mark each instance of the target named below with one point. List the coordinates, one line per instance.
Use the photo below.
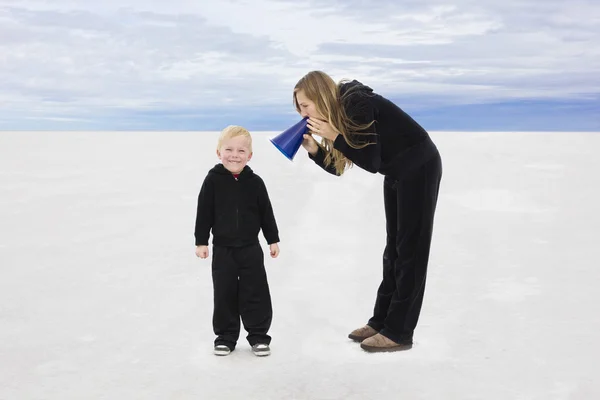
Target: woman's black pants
(410, 204)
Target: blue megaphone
(290, 140)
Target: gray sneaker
(222, 350)
(261, 349)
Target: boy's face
(235, 153)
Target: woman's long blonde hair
(321, 89)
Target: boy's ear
(250, 156)
(218, 154)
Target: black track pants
(409, 210)
(240, 290)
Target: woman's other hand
(310, 144)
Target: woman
(358, 126)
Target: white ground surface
(101, 296)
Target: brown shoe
(360, 334)
(380, 343)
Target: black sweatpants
(409, 211)
(240, 290)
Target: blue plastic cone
(290, 140)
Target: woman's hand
(322, 128)
(310, 144)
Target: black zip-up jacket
(235, 210)
(399, 144)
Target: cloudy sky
(200, 65)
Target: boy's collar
(221, 169)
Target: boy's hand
(202, 251)
(274, 248)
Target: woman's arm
(368, 158)
(361, 111)
(319, 159)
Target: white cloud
(68, 59)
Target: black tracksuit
(403, 152)
(236, 210)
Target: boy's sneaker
(222, 350)
(261, 349)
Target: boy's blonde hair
(233, 131)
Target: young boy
(234, 203)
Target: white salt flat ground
(101, 296)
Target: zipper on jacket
(237, 206)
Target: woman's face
(307, 107)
